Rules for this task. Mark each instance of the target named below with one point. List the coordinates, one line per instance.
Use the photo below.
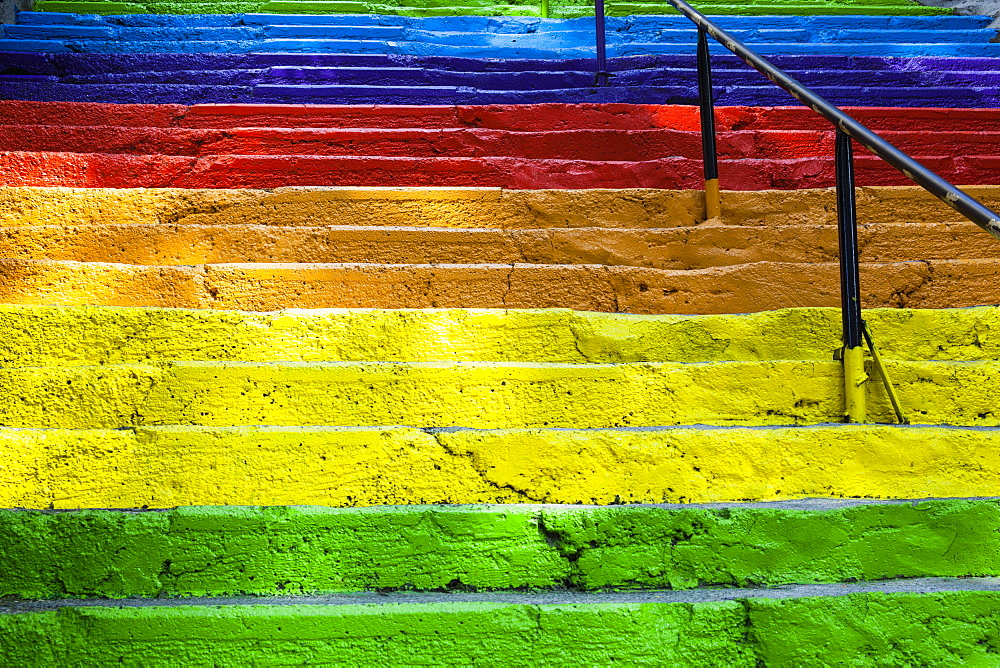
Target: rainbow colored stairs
(420, 373)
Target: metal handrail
(967, 206)
(855, 330)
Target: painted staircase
(453, 384)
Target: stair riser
(162, 467)
(68, 336)
(474, 208)
(510, 24)
(102, 170)
(592, 145)
(698, 248)
(745, 632)
(529, 118)
(739, 289)
(220, 551)
(557, 36)
(182, 94)
(96, 63)
(953, 97)
(483, 395)
(983, 49)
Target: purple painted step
(373, 79)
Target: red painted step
(537, 117)
(587, 144)
(584, 147)
(229, 171)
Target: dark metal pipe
(847, 228)
(967, 206)
(850, 282)
(709, 154)
(602, 52)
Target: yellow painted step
(161, 467)
(483, 395)
(744, 288)
(56, 336)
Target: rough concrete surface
(161, 467)
(941, 628)
(743, 288)
(91, 335)
(536, 597)
(467, 208)
(483, 395)
(231, 550)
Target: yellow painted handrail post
(855, 384)
(545, 9)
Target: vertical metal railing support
(710, 160)
(853, 359)
(602, 51)
(545, 9)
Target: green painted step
(484, 8)
(484, 395)
(928, 623)
(75, 336)
(291, 550)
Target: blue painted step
(485, 37)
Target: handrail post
(602, 54)
(855, 378)
(545, 9)
(709, 155)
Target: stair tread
(540, 598)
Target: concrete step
(473, 8)
(982, 48)
(110, 63)
(799, 625)
(89, 335)
(166, 466)
(127, 78)
(104, 170)
(479, 208)
(578, 144)
(552, 35)
(220, 551)
(525, 118)
(458, 23)
(745, 288)
(30, 87)
(675, 249)
(483, 395)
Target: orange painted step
(264, 287)
(698, 247)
